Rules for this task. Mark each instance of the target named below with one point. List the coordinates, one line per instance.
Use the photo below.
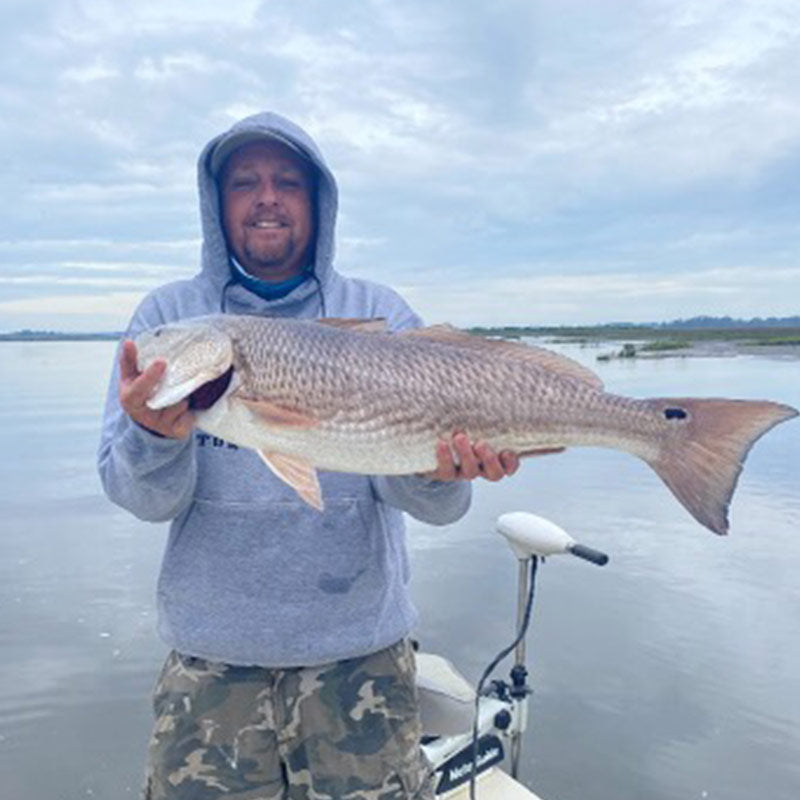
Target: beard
(270, 256)
(270, 259)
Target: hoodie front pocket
(277, 552)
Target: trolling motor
(530, 538)
(497, 712)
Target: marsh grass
(658, 338)
(661, 345)
(776, 340)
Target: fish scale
(336, 395)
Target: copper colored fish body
(340, 395)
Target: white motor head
(529, 535)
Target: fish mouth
(205, 395)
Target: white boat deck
(494, 785)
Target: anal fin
(297, 472)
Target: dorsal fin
(540, 356)
(365, 325)
(443, 332)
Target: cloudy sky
(541, 162)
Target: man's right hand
(135, 388)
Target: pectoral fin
(277, 415)
(297, 472)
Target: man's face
(267, 209)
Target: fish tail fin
(701, 461)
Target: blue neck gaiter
(266, 289)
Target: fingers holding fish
(135, 388)
(510, 461)
(176, 421)
(469, 463)
(446, 466)
(459, 459)
(488, 462)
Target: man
(290, 675)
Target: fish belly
(340, 449)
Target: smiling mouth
(267, 225)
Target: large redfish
(343, 396)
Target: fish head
(196, 354)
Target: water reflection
(672, 672)
(675, 670)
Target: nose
(268, 193)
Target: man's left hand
(461, 460)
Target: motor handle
(588, 554)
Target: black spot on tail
(675, 413)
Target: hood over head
(216, 264)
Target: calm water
(673, 672)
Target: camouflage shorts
(343, 731)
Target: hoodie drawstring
(322, 311)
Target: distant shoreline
(637, 341)
(667, 341)
(578, 333)
(706, 349)
(47, 336)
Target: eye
(242, 182)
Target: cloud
(591, 298)
(105, 283)
(59, 245)
(654, 139)
(117, 305)
(97, 70)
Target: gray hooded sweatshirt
(251, 574)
